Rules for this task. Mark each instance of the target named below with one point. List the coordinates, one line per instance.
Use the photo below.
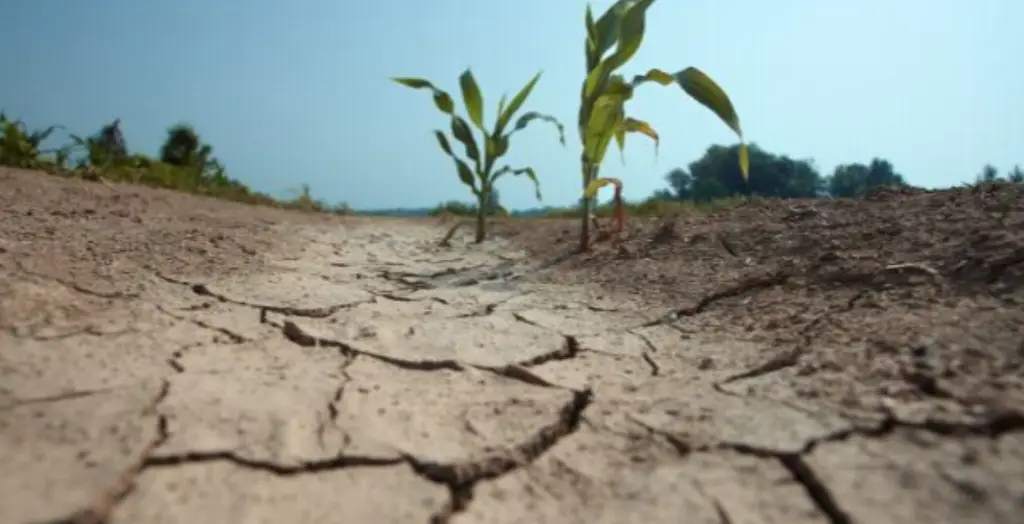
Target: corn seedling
(493, 144)
(19, 147)
(604, 94)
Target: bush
(185, 164)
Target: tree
(989, 173)
(1015, 175)
(882, 174)
(180, 147)
(681, 183)
(851, 180)
(716, 175)
(20, 147)
(482, 176)
(604, 93)
(112, 140)
(104, 148)
(185, 149)
(848, 180)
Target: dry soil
(166, 358)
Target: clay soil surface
(166, 358)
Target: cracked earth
(165, 359)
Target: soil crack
(330, 464)
(515, 371)
(735, 290)
(816, 490)
(461, 478)
(234, 337)
(203, 290)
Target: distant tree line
(715, 176)
(185, 162)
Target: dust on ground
(170, 358)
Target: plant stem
(589, 174)
(481, 224)
(481, 214)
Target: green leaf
(704, 90)
(517, 102)
(502, 102)
(530, 116)
(465, 173)
(527, 171)
(78, 141)
(462, 133)
(654, 75)
(595, 79)
(38, 137)
(496, 146)
(606, 115)
(607, 27)
(442, 100)
(631, 34)
(443, 142)
(473, 99)
(602, 125)
(592, 40)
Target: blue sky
(298, 92)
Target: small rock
(705, 363)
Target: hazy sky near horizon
(298, 92)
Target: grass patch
(185, 164)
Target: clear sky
(298, 91)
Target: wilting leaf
(704, 90)
(442, 100)
(744, 161)
(632, 125)
(598, 183)
(530, 116)
(517, 102)
(527, 171)
(473, 99)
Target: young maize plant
(482, 175)
(20, 147)
(604, 94)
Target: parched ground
(168, 358)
